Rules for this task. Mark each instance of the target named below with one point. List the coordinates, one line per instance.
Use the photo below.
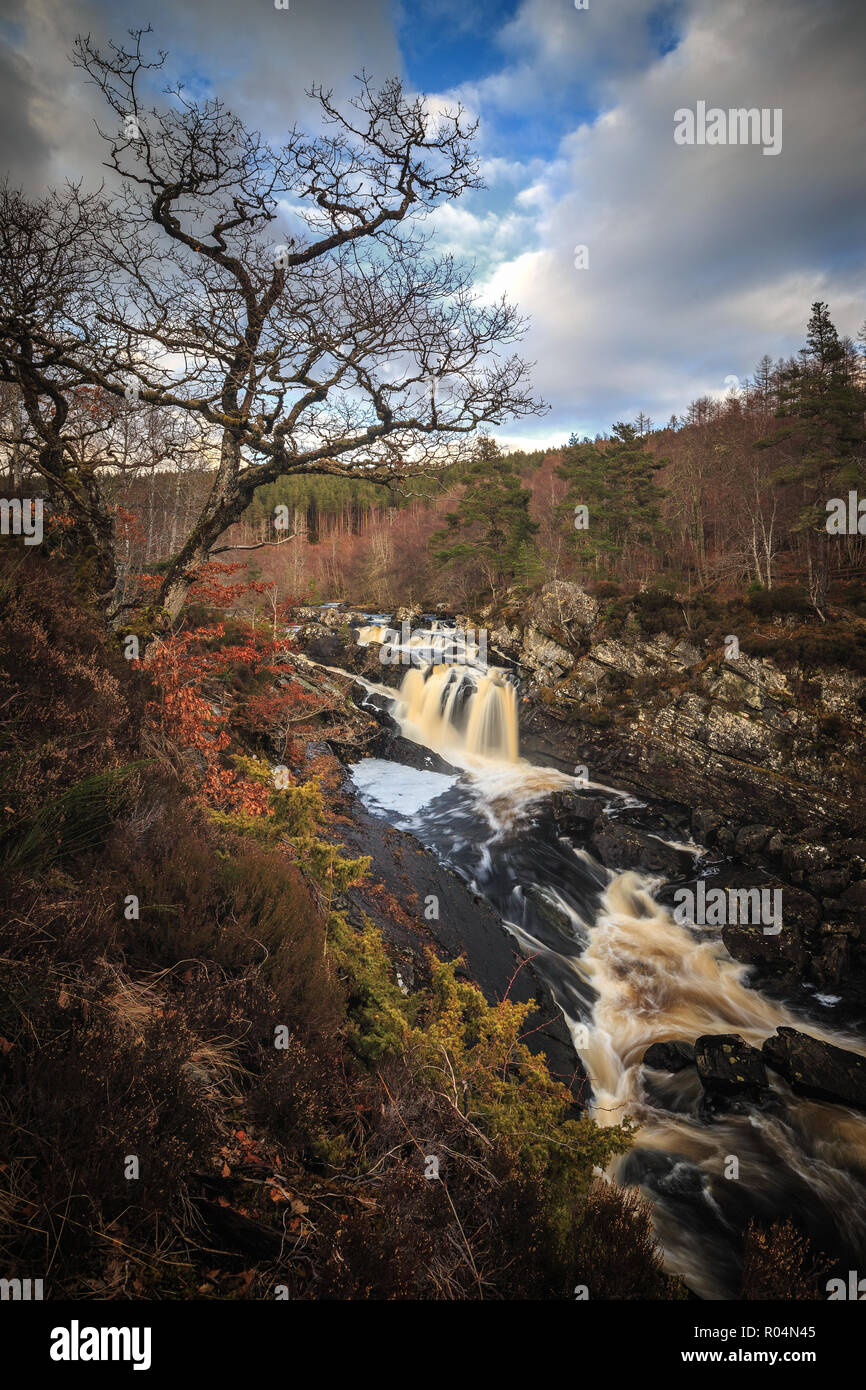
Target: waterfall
(626, 975)
(460, 711)
(372, 632)
(428, 646)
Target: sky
(698, 258)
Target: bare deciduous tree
(285, 297)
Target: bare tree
(50, 278)
(337, 344)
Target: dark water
(626, 975)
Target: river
(624, 973)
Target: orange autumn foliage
(179, 668)
(201, 680)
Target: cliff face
(738, 735)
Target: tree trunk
(223, 507)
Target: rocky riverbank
(756, 763)
(404, 878)
(761, 763)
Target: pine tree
(823, 404)
(615, 483)
(491, 530)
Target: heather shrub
(295, 1094)
(832, 645)
(780, 1263)
(613, 1249)
(237, 906)
(85, 1087)
(785, 598)
(70, 704)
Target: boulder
(686, 653)
(390, 744)
(565, 606)
(817, 1069)
(547, 659)
(729, 1066)
(705, 825)
(854, 898)
(751, 839)
(829, 966)
(812, 858)
(622, 846)
(830, 882)
(328, 647)
(800, 909)
(853, 852)
(505, 641)
(575, 810)
(669, 1056)
(781, 954)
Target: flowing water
(624, 973)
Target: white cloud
(488, 238)
(700, 259)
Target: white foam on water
(396, 789)
(652, 978)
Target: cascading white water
(371, 632)
(431, 646)
(652, 980)
(659, 981)
(459, 713)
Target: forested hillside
(733, 495)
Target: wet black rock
(574, 811)
(391, 745)
(829, 966)
(777, 954)
(817, 1069)
(751, 839)
(854, 898)
(800, 910)
(622, 846)
(853, 853)
(830, 882)
(729, 1066)
(669, 1056)
(705, 825)
(329, 648)
(375, 702)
